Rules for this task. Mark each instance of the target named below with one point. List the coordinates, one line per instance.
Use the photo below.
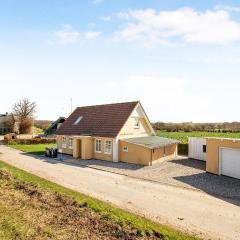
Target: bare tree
(24, 111)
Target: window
(78, 120)
(108, 147)
(204, 148)
(98, 145)
(70, 143)
(125, 149)
(136, 123)
(64, 142)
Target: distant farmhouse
(52, 130)
(7, 125)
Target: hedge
(183, 148)
(29, 141)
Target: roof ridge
(107, 104)
(104, 120)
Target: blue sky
(179, 58)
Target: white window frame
(98, 145)
(136, 123)
(78, 120)
(64, 142)
(70, 140)
(108, 147)
(125, 149)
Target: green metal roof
(151, 141)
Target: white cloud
(227, 8)
(106, 18)
(158, 94)
(92, 35)
(97, 1)
(149, 27)
(123, 15)
(152, 84)
(67, 35)
(167, 98)
(92, 25)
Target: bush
(183, 148)
(30, 141)
(26, 126)
(10, 136)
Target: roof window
(78, 120)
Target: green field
(37, 149)
(34, 208)
(183, 136)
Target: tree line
(190, 126)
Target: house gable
(130, 127)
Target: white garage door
(230, 162)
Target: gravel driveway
(181, 172)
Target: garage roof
(151, 141)
(222, 139)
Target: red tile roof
(99, 120)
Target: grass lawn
(183, 136)
(37, 149)
(32, 207)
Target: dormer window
(78, 120)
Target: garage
(223, 156)
(230, 162)
(147, 150)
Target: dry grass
(35, 208)
(40, 214)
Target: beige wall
(170, 152)
(84, 148)
(65, 150)
(87, 148)
(129, 130)
(145, 156)
(212, 154)
(102, 155)
(136, 154)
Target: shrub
(183, 148)
(30, 141)
(25, 126)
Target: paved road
(185, 209)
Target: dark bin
(47, 152)
(54, 152)
(51, 152)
